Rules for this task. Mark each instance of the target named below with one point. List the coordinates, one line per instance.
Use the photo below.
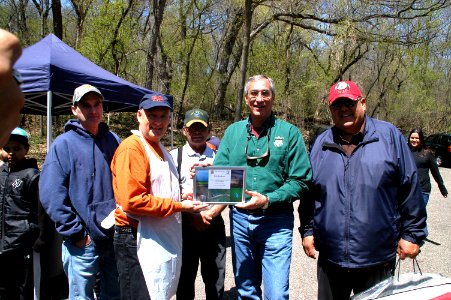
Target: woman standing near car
(425, 161)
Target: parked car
(440, 144)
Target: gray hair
(259, 77)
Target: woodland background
(202, 52)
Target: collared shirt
(348, 145)
(283, 174)
(190, 157)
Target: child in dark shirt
(19, 228)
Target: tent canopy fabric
(51, 65)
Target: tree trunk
(287, 73)
(224, 72)
(24, 34)
(81, 8)
(114, 52)
(164, 73)
(57, 19)
(248, 12)
(187, 73)
(158, 7)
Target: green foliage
(118, 52)
(122, 123)
(402, 62)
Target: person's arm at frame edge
(12, 99)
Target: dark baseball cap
(154, 100)
(196, 115)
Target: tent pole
(49, 119)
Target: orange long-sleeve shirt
(131, 183)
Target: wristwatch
(266, 204)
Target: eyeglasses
(265, 93)
(259, 156)
(344, 102)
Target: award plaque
(224, 185)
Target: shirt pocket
(277, 160)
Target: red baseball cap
(344, 89)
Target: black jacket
(18, 205)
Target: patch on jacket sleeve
(17, 183)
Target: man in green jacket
(277, 173)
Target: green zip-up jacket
(283, 175)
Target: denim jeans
(131, 277)
(82, 266)
(261, 249)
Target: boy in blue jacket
(76, 192)
(19, 228)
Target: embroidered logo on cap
(196, 113)
(342, 87)
(157, 98)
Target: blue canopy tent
(51, 70)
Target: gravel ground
(435, 255)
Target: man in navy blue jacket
(366, 203)
(76, 191)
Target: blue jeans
(425, 198)
(261, 248)
(82, 265)
(131, 277)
